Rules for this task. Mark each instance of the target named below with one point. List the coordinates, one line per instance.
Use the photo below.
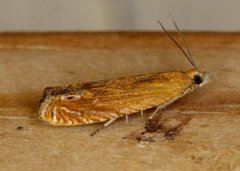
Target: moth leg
(141, 112)
(126, 116)
(153, 124)
(104, 125)
(109, 122)
(154, 113)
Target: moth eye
(197, 79)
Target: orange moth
(106, 101)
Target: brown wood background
(31, 61)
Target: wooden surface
(210, 140)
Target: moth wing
(104, 100)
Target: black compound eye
(197, 79)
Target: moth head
(199, 78)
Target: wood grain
(29, 62)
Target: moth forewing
(87, 103)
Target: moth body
(105, 101)
(101, 101)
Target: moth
(106, 101)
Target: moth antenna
(176, 43)
(190, 58)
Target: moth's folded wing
(104, 100)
